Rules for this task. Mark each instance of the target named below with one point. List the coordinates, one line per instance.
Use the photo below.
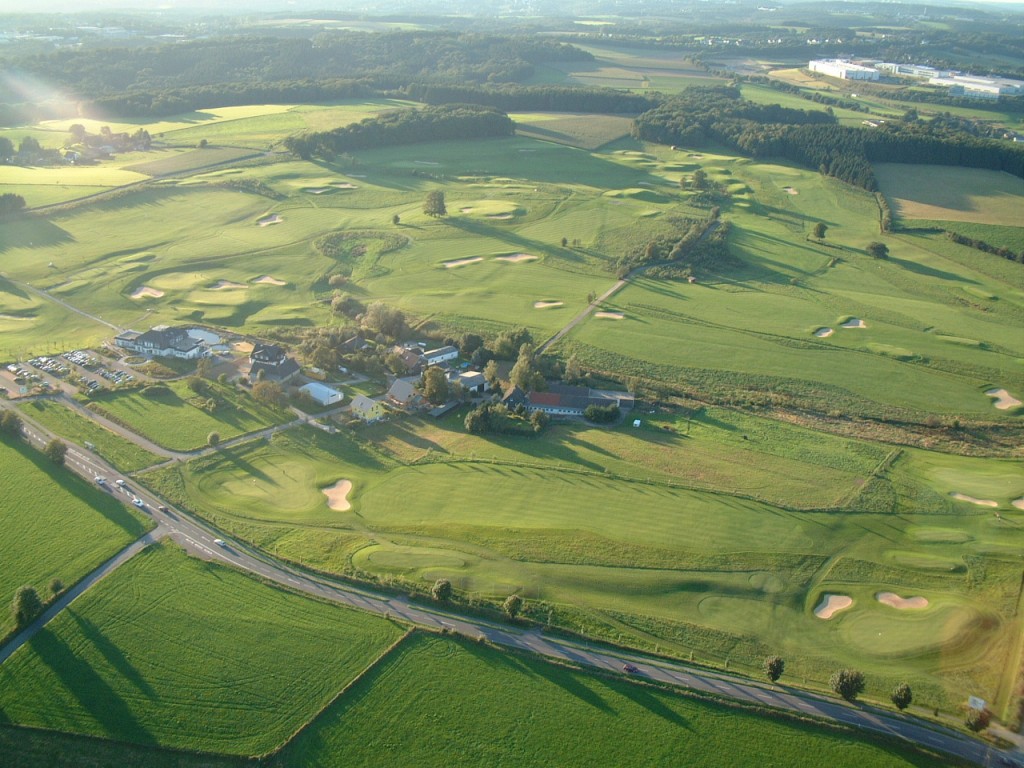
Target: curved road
(198, 539)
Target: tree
(565, 242)
(977, 719)
(10, 424)
(819, 230)
(491, 373)
(774, 666)
(435, 385)
(26, 606)
(524, 373)
(434, 204)
(268, 392)
(197, 385)
(56, 587)
(204, 367)
(470, 343)
(11, 203)
(29, 146)
(396, 219)
(573, 371)
(56, 451)
(442, 590)
(848, 683)
(700, 179)
(878, 250)
(384, 319)
(512, 606)
(213, 439)
(6, 149)
(901, 696)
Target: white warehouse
(843, 69)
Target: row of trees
(519, 98)
(410, 126)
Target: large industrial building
(843, 69)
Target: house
(367, 410)
(411, 357)
(272, 361)
(440, 355)
(162, 341)
(403, 393)
(355, 344)
(563, 400)
(473, 381)
(322, 394)
(514, 398)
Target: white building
(162, 341)
(322, 394)
(440, 355)
(843, 69)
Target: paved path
(72, 308)
(198, 539)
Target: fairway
(56, 525)
(175, 652)
(508, 710)
(952, 194)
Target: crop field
(171, 417)
(390, 717)
(190, 160)
(175, 652)
(583, 131)
(951, 194)
(61, 420)
(56, 525)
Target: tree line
(410, 126)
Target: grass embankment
(176, 652)
(171, 414)
(56, 525)
(61, 420)
(443, 702)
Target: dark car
(630, 669)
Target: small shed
(321, 393)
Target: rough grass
(175, 421)
(504, 710)
(574, 130)
(56, 525)
(176, 652)
(951, 194)
(122, 453)
(189, 161)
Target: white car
(120, 482)
(101, 480)
(220, 542)
(138, 502)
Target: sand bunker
(498, 216)
(465, 210)
(337, 495)
(226, 285)
(790, 191)
(832, 604)
(854, 322)
(972, 500)
(145, 292)
(318, 190)
(901, 603)
(1018, 503)
(424, 162)
(547, 304)
(515, 259)
(462, 262)
(344, 185)
(266, 221)
(1004, 400)
(610, 315)
(823, 333)
(268, 280)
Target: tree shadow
(638, 694)
(921, 269)
(114, 655)
(93, 693)
(31, 231)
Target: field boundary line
(878, 473)
(344, 689)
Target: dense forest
(555, 98)
(409, 126)
(718, 115)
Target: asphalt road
(199, 540)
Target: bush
(601, 414)
(26, 606)
(978, 719)
(442, 590)
(848, 683)
(56, 451)
(10, 423)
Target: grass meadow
(176, 652)
(173, 418)
(61, 420)
(506, 710)
(56, 525)
(951, 194)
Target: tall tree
(26, 606)
(512, 606)
(435, 385)
(774, 666)
(901, 696)
(56, 451)
(848, 683)
(434, 204)
(878, 250)
(819, 230)
(10, 423)
(442, 590)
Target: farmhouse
(440, 355)
(563, 400)
(403, 393)
(322, 394)
(367, 410)
(162, 341)
(411, 358)
(272, 362)
(514, 398)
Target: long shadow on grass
(233, 455)
(114, 655)
(31, 231)
(640, 695)
(92, 692)
(921, 269)
(97, 500)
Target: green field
(172, 417)
(175, 652)
(951, 194)
(502, 710)
(56, 525)
(63, 421)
